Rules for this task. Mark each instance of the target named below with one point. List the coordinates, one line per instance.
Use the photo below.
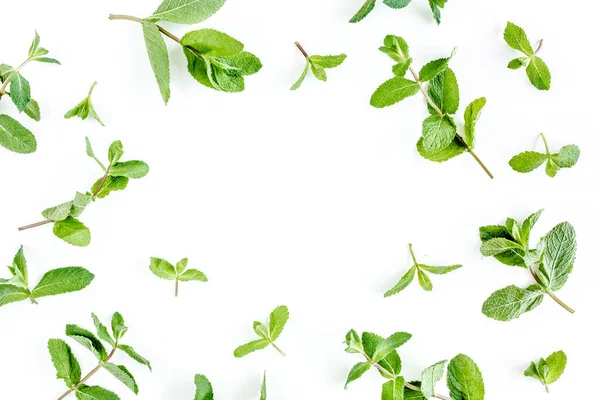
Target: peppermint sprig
(69, 369)
(536, 69)
(116, 176)
(85, 108)
(54, 282)
(463, 376)
(369, 5)
(527, 161)
(14, 136)
(421, 271)
(550, 264)
(214, 59)
(548, 370)
(440, 140)
(268, 335)
(317, 65)
(178, 273)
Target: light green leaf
(401, 68)
(472, 113)
(62, 280)
(11, 293)
(193, 275)
(356, 372)
(517, 39)
(528, 224)
(261, 330)
(433, 69)
(248, 348)
(46, 60)
(393, 390)
(511, 302)
(20, 266)
(364, 11)
(131, 169)
(496, 246)
(424, 281)
(568, 156)
(159, 58)
(439, 270)
(430, 376)
(111, 183)
(118, 327)
(72, 231)
(115, 152)
(122, 374)
(59, 212)
(32, 109)
(318, 71)
(557, 362)
(263, 387)
(20, 91)
(90, 152)
(133, 354)
(298, 83)
(211, 43)
(245, 63)
(80, 202)
(15, 137)
(354, 343)
(34, 45)
(85, 108)
(277, 320)
(397, 48)
(67, 366)
(551, 168)
(538, 73)
(443, 90)
(87, 339)
(527, 161)
(204, 390)
(186, 11)
(396, 3)
(394, 90)
(438, 133)
(162, 268)
(5, 71)
(451, 151)
(95, 393)
(181, 265)
(328, 61)
(102, 331)
(518, 63)
(464, 379)
(559, 255)
(402, 283)
(390, 344)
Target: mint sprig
(13, 135)
(463, 376)
(215, 59)
(317, 64)
(527, 161)
(116, 176)
(548, 370)
(204, 389)
(421, 271)
(54, 282)
(369, 5)
(440, 140)
(268, 335)
(536, 69)
(549, 264)
(68, 367)
(85, 108)
(178, 273)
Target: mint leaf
(356, 372)
(364, 11)
(393, 390)
(390, 344)
(432, 375)
(62, 280)
(434, 68)
(186, 11)
(318, 71)
(193, 275)
(511, 302)
(59, 212)
(527, 161)
(118, 327)
(438, 133)
(425, 282)
(396, 3)
(20, 91)
(263, 387)
(354, 343)
(568, 156)
(87, 339)
(435, 10)
(250, 347)
(72, 231)
(95, 393)
(298, 83)
(548, 370)
(104, 186)
(439, 270)
(518, 63)
(32, 109)
(122, 374)
(211, 42)
(472, 113)
(443, 90)
(464, 379)
(497, 246)
(451, 151)
(102, 331)
(277, 320)
(328, 61)
(15, 137)
(204, 390)
(394, 90)
(538, 73)
(559, 256)
(165, 270)
(402, 283)
(159, 58)
(11, 293)
(134, 355)
(516, 38)
(85, 108)
(131, 169)
(162, 268)
(67, 366)
(261, 330)
(410, 394)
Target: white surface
(307, 199)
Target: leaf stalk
(278, 349)
(550, 292)
(299, 46)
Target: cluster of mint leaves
(268, 335)
(215, 60)
(204, 389)
(536, 69)
(440, 140)
(421, 271)
(56, 281)
(13, 135)
(527, 161)
(69, 370)
(366, 9)
(116, 176)
(550, 264)
(85, 108)
(317, 65)
(548, 370)
(178, 273)
(464, 379)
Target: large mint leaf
(443, 90)
(67, 366)
(394, 90)
(15, 137)
(464, 379)
(72, 231)
(159, 58)
(62, 280)
(559, 255)
(438, 133)
(211, 43)
(511, 302)
(186, 11)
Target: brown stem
(550, 292)
(299, 46)
(457, 137)
(539, 46)
(47, 221)
(88, 376)
(34, 301)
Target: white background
(304, 198)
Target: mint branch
(441, 114)
(89, 375)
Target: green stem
(176, 287)
(550, 292)
(278, 349)
(88, 376)
(545, 144)
(412, 254)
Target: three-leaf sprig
(85, 108)
(178, 273)
(54, 282)
(69, 370)
(536, 69)
(440, 140)
(463, 377)
(215, 59)
(550, 264)
(116, 176)
(527, 161)
(14, 136)
(268, 335)
(548, 370)
(317, 65)
(369, 5)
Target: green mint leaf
(20, 91)
(20, 266)
(513, 257)
(318, 71)
(464, 379)
(396, 3)
(59, 212)
(397, 48)
(5, 71)
(511, 302)
(186, 11)
(162, 268)
(390, 344)
(212, 43)
(201, 69)
(131, 169)
(533, 372)
(263, 387)
(111, 184)
(328, 61)
(46, 60)
(439, 270)
(527, 161)
(67, 366)
(181, 266)
(430, 376)
(11, 293)
(204, 390)
(402, 283)
(118, 327)
(400, 69)
(438, 133)
(62, 280)
(559, 255)
(122, 374)
(72, 231)
(568, 156)
(518, 63)
(443, 90)
(115, 152)
(435, 10)
(87, 339)
(95, 393)
(516, 38)
(538, 73)
(528, 225)
(85, 108)
(354, 343)
(391, 363)
(102, 331)
(556, 362)
(497, 246)
(434, 68)
(551, 168)
(410, 394)
(261, 330)
(298, 83)
(393, 390)
(250, 347)
(32, 109)
(15, 137)
(277, 320)
(80, 203)
(364, 11)
(90, 152)
(451, 151)
(356, 372)
(134, 355)
(472, 113)
(244, 63)
(193, 275)
(392, 91)
(424, 281)
(34, 45)
(159, 58)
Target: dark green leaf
(364, 11)
(443, 90)
(67, 366)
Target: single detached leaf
(511, 302)
(193, 275)
(72, 231)
(11, 293)
(402, 283)
(438, 133)
(443, 90)
(390, 344)
(432, 375)
(67, 366)
(496, 246)
(516, 38)
(102, 331)
(364, 11)
(298, 83)
(62, 280)
(15, 137)
(356, 372)
(95, 393)
(204, 390)
(394, 90)
(393, 390)
(133, 169)
(118, 327)
(527, 161)
(464, 379)
(328, 61)
(133, 354)
(186, 11)
(559, 255)
(87, 339)
(451, 151)
(538, 73)
(122, 374)
(20, 91)
(472, 113)
(277, 320)
(248, 348)
(211, 42)
(32, 109)
(439, 270)
(424, 281)
(159, 58)
(162, 268)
